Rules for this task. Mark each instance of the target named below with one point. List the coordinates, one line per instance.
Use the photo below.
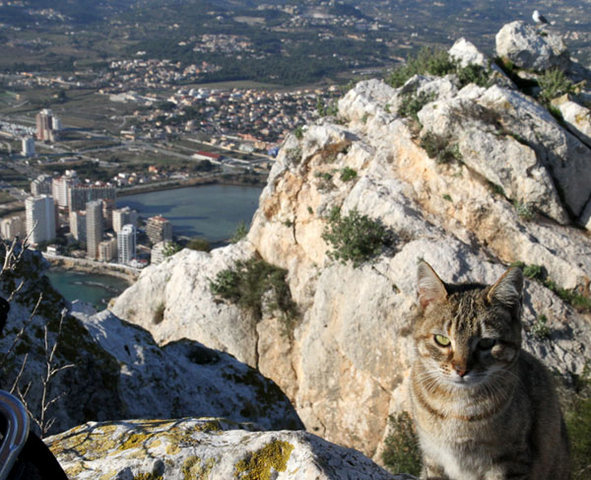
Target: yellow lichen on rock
(258, 465)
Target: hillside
(471, 178)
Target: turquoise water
(210, 211)
(95, 289)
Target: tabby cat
(483, 408)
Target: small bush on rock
(431, 61)
(553, 83)
(439, 148)
(401, 450)
(355, 237)
(256, 286)
(412, 103)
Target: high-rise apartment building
(11, 228)
(79, 195)
(126, 244)
(107, 250)
(124, 216)
(158, 229)
(61, 187)
(40, 219)
(42, 185)
(78, 225)
(94, 227)
(44, 122)
(28, 147)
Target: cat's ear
(431, 288)
(508, 289)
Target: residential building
(107, 250)
(124, 216)
(78, 225)
(158, 229)
(42, 185)
(28, 147)
(12, 227)
(126, 244)
(44, 124)
(94, 227)
(79, 195)
(61, 186)
(40, 219)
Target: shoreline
(196, 182)
(68, 264)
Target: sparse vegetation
(553, 83)
(401, 450)
(199, 243)
(355, 237)
(412, 103)
(524, 210)
(571, 296)
(256, 286)
(240, 232)
(540, 328)
(348, 174)
(299, 132)
(428, 60)
(439, 148)
(170, 248)
(438, 62)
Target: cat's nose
(461, 371)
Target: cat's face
(467, 334)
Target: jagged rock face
(118, 371)
(516, 190)
(204, 448)
(525, 47)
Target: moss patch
(259, 465)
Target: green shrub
(573, 297)
(170, 248)
(412, 103)
(553, 83)
(401, 448)
(299, 132)
(438, 62)
(240, 232)
(348, 174)
(439, 148)
(524, 210)
(427, 61)
(200, 244)
(474, 74)
(256, 285)
(540, 329)
(355, 237)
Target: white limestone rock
(576, 116)
(179, 288)
(204, 448)
(345, 362)
(527, 48)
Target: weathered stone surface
(576, 116)
(345, 363)
(179, 289)
(524, 45)
(204, 448)
(118, 371)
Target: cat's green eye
(486, 343)
(442, 341)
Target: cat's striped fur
(483, 408)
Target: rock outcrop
(504, 183)
(116, 369)
(206, 448)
